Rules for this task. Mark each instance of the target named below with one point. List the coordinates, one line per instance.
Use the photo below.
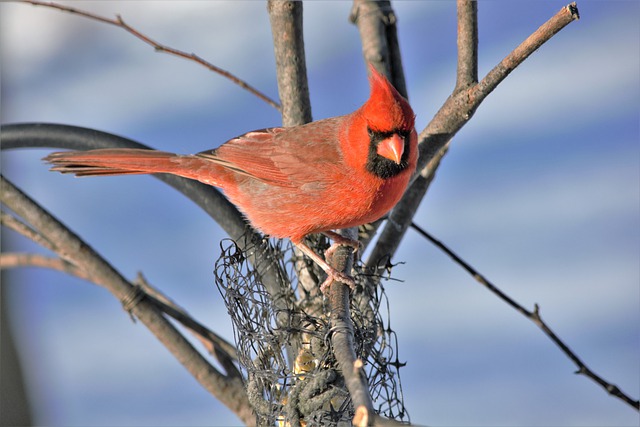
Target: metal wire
(283, 346)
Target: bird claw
(339, 240)
(336, 276)
(353, 244)
(332, 273)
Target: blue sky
(540, 191)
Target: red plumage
(289, 182)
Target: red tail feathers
(128, 161)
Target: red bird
(290, 182)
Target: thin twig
(564, 17)
(14, 259)
(20, 227)
(535, 317)
(119, 22)
(467, 73)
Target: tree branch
(459, 108)
(564, 17)
(119, 22)
(291, 68)
(293, 88)
(467, 73)
(342, 338)
(217, 346)
(230, 391)
(454, 114)
(377, 25)
(535, 317)
(376, 22)
(288, 45)
(44, 135)
(208, 198)
(20, 227)
(13, 260)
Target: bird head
(389, 122)
(386, 110)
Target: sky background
(540, 192)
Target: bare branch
(288, 45)
(230, 391)
(211, 200)
(20, 227)
(535, 317)
(368, 16)
(397, 223)
(119, 22)
(376, 22)
(459, 107)
(208, 198)
(342, 338)
(467, 73)
(564, 17)
(455, 113)
(216, 345)
(13, 260)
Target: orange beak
(392, 148)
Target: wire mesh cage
(282, 333)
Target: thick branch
(397, 223)
(376, 23)
(72, 249)
(535, 317)
(459, 107)
(288, 43)
(342, 338)
(291, 68)
(119, 22)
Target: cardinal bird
(289, 182)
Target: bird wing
(299, 157)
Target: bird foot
(332, 273)
(339, 240)
(337, 276)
